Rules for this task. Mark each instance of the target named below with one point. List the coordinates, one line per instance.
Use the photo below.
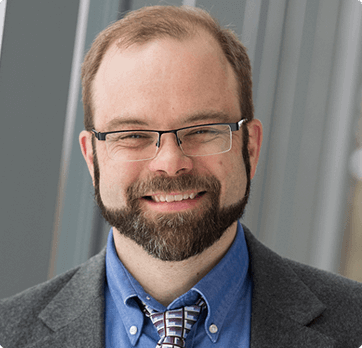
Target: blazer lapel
(282, 305)
(76, 314)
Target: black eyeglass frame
(233, 127)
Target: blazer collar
(282, 304)
(76, 313)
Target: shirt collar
(217, 288)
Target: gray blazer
(293, 306)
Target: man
(171, 144)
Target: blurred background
(306, 200)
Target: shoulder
(311, 298)
(332, 289)
(342, 299)
(21, 315)
(23, 309)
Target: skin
(167, 84)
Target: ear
(85, 141)
(255, 129)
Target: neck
(167, 280)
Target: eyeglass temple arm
(99, 135)
(241, 122)
(237, 126)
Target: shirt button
(213, 328)
(133, 330)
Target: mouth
(173, 197)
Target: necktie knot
(173, 326)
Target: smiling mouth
(161, 198)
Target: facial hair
(180, 235)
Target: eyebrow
(217, 116)
(125, 121)
(203, 116)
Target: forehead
(164, 82)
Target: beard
(180, 235)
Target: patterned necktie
(174, 325)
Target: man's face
(162, 85)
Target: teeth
(178, 198)
(170, 198)
(173, 198)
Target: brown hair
(153, 22)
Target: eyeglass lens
(195, 141)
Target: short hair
(154, 22)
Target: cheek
(115, 178)
(232, 176)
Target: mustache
(171, 184)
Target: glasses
(141, 145)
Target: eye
(132, 139)
(206, 131)
(133, 136)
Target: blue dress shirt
(227, 290)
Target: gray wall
(34, 80)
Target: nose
(170, 159)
